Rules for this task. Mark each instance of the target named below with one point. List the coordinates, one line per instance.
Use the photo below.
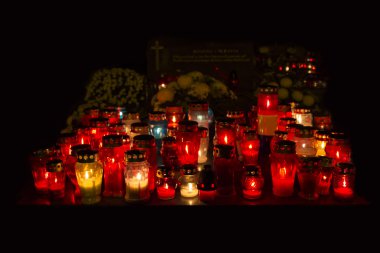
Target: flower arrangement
(112, 87)
(295, 72)
(190, 87)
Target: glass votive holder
(65, 142)
(305, 142)
(158, 126)
(308, 175)
(188, 181)
(344, 181)
(303, 116)
(325, 175)
(166, 183)
(252, 182)
(56, 178)
(174, 114)
(198, 111)
(203, 147)
(129, 119)
(138, 128)
(207, 184)
(283, 122)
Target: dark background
(57, 50)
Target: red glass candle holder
(147, 143)
(38, 160)
(117, 129)
(56, 178)
(112, 115)
(90, 113)
(250, 147)
(267, 100)
(237, 115)
(338, 148)
(303, 116)
(174, 114)
(225, 132)
(165, 184)
(344, 181)
(308, 176)
(322, 122)
(99, 128)
(188, 142)
(284, 111)
(225, 164)
(292, 129)
(138, 128)
(278, 136)
(129, 119)
(325, 176)
(252, 182)
(65, 142)
(112, 157)
(169, 152)
(283, 122)
(83, 135)
(70, 165)
(321, 139)
(207, 184)
(283, 168)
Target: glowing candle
(166, 184)
(55, 176)
(343, 181)
(252, 182)
(325, 176)
(188, 180)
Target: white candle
(189, 190)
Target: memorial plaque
(168, 56)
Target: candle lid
(140, 127)
(66, 138)
(131, 116)
(87, 156)
(285, 147)
(252, 170)
(322, 135)
(99, 122)
(188, 126)
(135, 155)
(117, 128)
(235, 114)
(144, 141)
(308, 163)
(189, 169)
(203, 131)
(293, 126)
(224, 151)
(250, 134)
(281, 134)
(126, 138)
(207, 179)
(338, 136)
(55, 165)
(174, 109)
(168, 140)
(302, 110)
(198, 106)
(164, 172)
(76, 148)
(345, 168)
(325, 161)
(288, 120)
(157, 116)
(109, 112)
(267, 89)
(225, 122)
(305, 132)
(112, 140)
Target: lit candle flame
(268, 103)
(324, 178)
(253, 184)
(93, 131)
(190, 187)
(69, 149)
(323, 144)
(86, 175)
(187, 149)
(282, 172)
(250, 146)
(113, 160)
(55, 180)
(303, 145)
(82, 141)
(166, 186)
(337, 154)
(226, 139)
(163, 85)
(138, 176)
(46, 175)
(174, 119)
(344, 182)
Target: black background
(55, 51)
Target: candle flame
(82, 141)
(69, 149)
(163, 85)
(187, 149)
(226, 139)
(55, 180)
(337, 154)
(113, 160)
(190, 187)
(253, 184)
(282, 172)
(174, 119)
(323, 144)
(250, 146)
(93, 131)
(303, 145)
(344, 182)
(268, 103)
(86, 175)
(138, 176)
(166, 186)
(324, 178)
(46, 175)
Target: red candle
(343, 181)
(343, 193)
(165, 192)
(252, 182)
(174, 114)
(225, 132)
(325, 176)
(206, 184)
(338, 148)
(207, 196)
(56, 178)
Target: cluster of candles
(115, 154)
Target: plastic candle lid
(207, 179)
(135, 155)
(285, 147)
(55, 165)
(87, 156)
(280, 134)
(189, 169)
(266, 89)
(252, 170)
(164, 171)
(224, 151)
(112, 140)
(76, 148)
(139, 127)
(198, 106)
(157, 116)
(131, 116)
(144, 141)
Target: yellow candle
(90, 185)
(136, 188)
